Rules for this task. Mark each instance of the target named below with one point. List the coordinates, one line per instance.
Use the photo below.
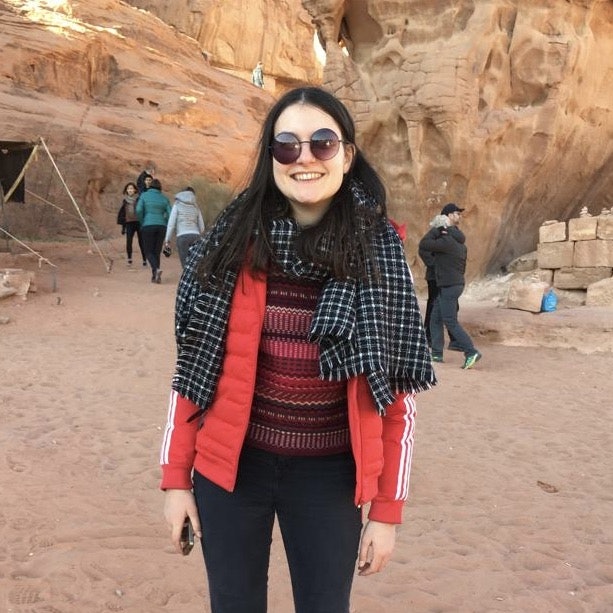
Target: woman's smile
(308, 183)
(307, 176)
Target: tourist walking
(129, 221)
(186, 220)
(153, 211)
(447, 242)
(143, 181)
(427, 258)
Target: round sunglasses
(324, 144)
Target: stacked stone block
(579, 255)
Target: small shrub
(212, 197)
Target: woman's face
(309, 184)
(130, 190)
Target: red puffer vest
(382, 446)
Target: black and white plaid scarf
(372, 328)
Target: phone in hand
(187, 537)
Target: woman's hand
(178, 505)
(376, 547)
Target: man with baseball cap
(447, 243)
(453, 212)
(428, 260)
(452, 207)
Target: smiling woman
(300, 351)
(309, 176)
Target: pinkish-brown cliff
(236, 35)
(502, 106)
(505, 107)
(108, 87)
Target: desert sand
(511, 499)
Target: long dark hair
(345, 229)
(125, 188)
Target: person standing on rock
(257, 75)
(153, 211)
(300, 351)
(447, 242)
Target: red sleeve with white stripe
(179, 444)
(398, 436)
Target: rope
(41, 258)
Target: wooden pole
(107, 261)
(21, 175)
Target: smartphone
(187, 537)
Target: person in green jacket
(153, 211)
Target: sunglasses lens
(285, 148)
(324, 144)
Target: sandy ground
(511, 492)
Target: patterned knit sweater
(294, 412)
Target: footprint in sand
(158, 596)
(41, 542)
(18, 467)
(95, 571)
(24, 595)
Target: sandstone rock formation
(109, 87)
(235, 35)
(503, 106)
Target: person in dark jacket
(428, 259)
(129, 221)
(143, 182)
(449, 249)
